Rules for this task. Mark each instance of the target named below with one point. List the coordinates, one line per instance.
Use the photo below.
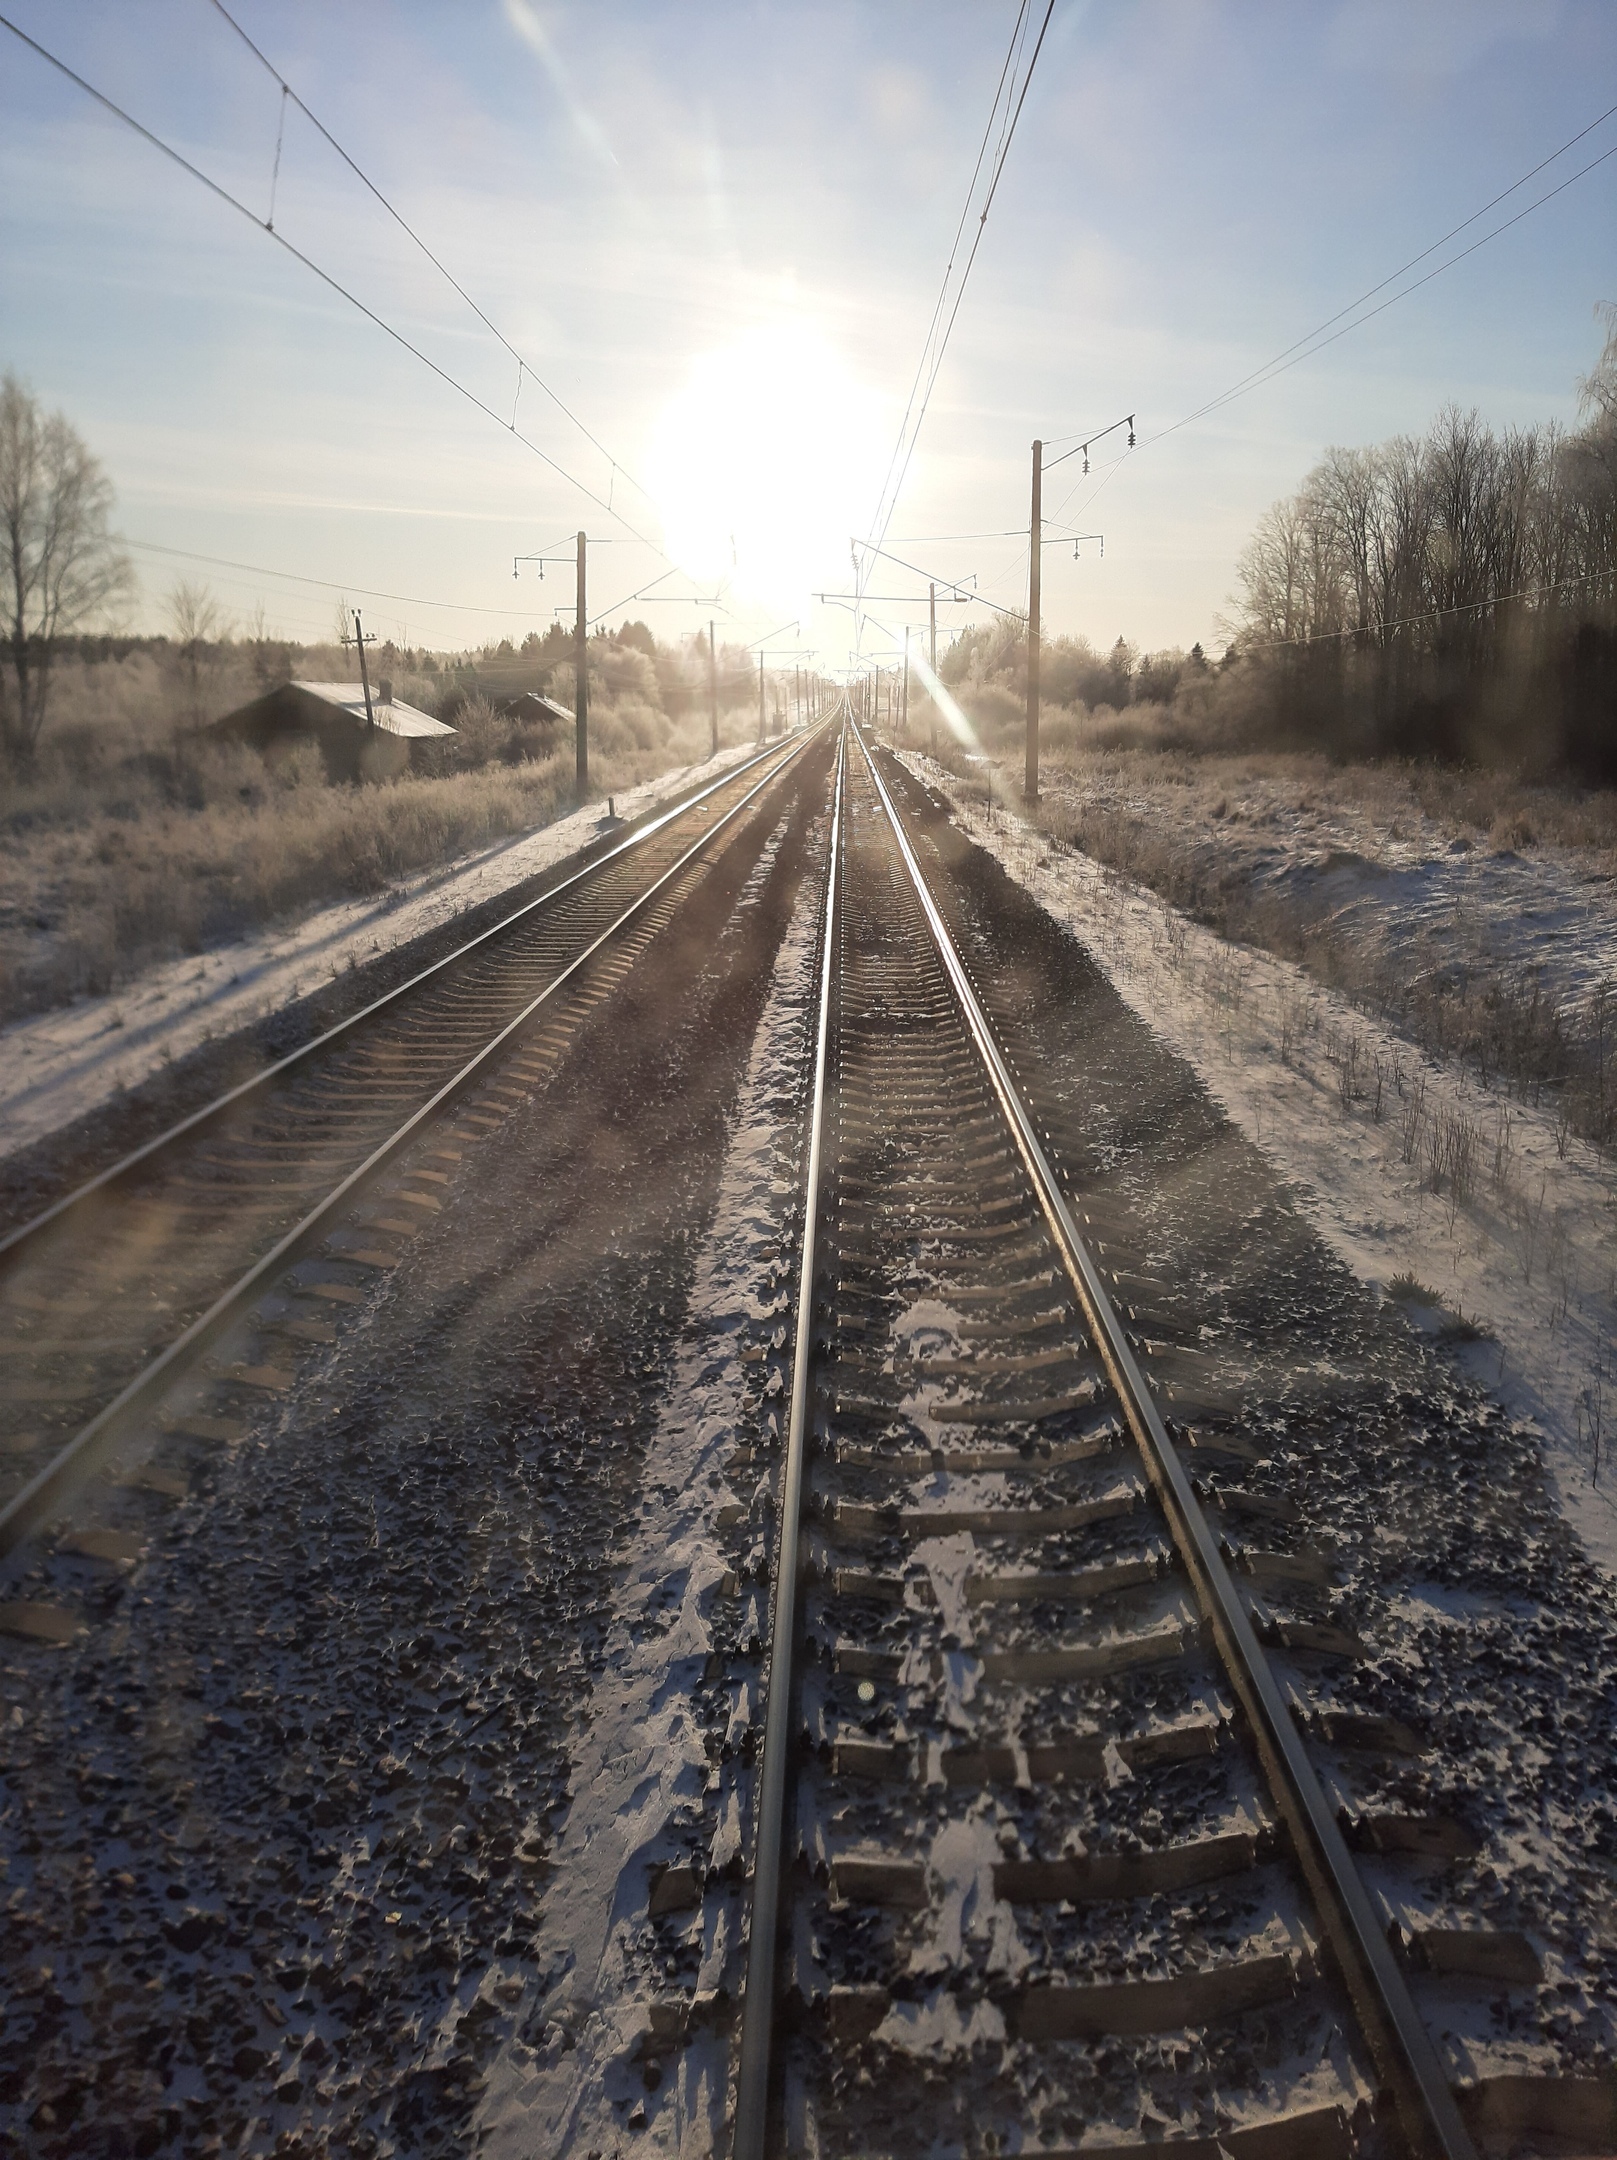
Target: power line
(904, 449)
(1252, 380)
(452, 607)
(523, 365)
(954, 249)
(1293, 356)
(1313, 341)
(1403, 622)
(1009, 532)
(325, 277)
(297, 577)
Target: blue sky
(717, 233)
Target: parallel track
(913, 1581)
(111, 1297)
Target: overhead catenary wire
(333, 284)
(954, 249)
(524, 366)
(1405, 622)
(1315, 340)
(909, 434)
(1273, 367)
(298, 577)
(1315, 343)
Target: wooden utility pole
(361, 640)
(713, 686)
(1030, 783)
(932, 656)
(581, 682)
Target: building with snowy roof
(353, 743)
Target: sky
(717, 235)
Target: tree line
(1451, 595)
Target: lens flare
(953, 718)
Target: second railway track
(112, 1297)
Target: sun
(764, 463)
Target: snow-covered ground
(643, 1776)
(60, 1065)
(1351, 1113)
(1394, 867)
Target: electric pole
(1030, 784)
(581, 691)
(713, 686)
(760, 701)
(932, 724)
(904, 709)
(361, 640)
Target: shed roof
(396, 717)
(545, 705)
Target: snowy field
(1520, 1249)
(1402, 871)
(59, 1065)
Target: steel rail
(77, 1458)
(1397, 2035)
(14, 1239)
(749, 2141)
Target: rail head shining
(29, 1509)
(774, 1783)
(1397, 2035)
(14, 1240)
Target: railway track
(300, 1186)
(1070, 1832)
(1034, 1798)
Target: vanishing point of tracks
(287, 1195)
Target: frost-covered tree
(63, 568)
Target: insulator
(1131, 431)
(1086, 457)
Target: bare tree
(198, 623)
(1455, 592)
(62, 564)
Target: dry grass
(1116, 756)
(130, 844)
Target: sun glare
(764, 463)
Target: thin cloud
(524, 20)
